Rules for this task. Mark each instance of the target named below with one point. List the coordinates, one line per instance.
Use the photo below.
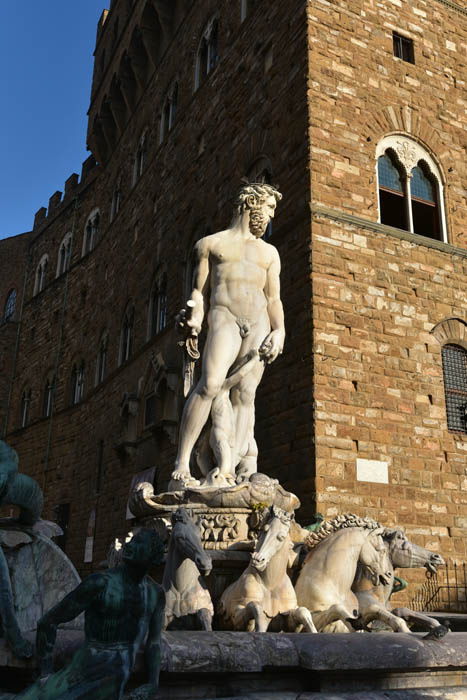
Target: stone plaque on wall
(372, 470)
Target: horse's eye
(281, 538)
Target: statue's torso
(118, 612)
(238, 269)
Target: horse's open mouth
(432, 567)
(385, 579)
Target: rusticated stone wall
(378, 293)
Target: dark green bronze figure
(316, 524)
(120, 606)
(18, 490)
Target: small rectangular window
(403, 48)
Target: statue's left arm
(67, 609)
(272, 345)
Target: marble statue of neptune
(236, 287)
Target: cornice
(318, 210)
(453, 6)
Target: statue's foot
(182, 479)
(215, 478)
(246, 467)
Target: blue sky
(46, 61)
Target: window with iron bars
(455, 387)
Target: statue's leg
(221, 437)
(377, 612)
(335, 614)
(205, 619)
(18, 644)
(221, 349)
(250, 618)
(425, 621)
(243, 403)
(243, 394)
(262, 621)
(300, 620)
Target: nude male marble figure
(236, 286)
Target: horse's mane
(328, 527)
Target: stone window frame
(169, 111)
(9, 307)
(246, 8)
(409, 154)
(127, 334)
(64, 254)
(40, 276)
(157, 306)
(207, 52)
(48, 395)
(78, 376)
(403, 47)
(25, 413)
(102, 359)
(91, 231)
(451, 331)
(140, 157)
(116, 199)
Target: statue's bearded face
(261, 215)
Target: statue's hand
(186, 324)
(272, 346)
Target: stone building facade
(330, 100)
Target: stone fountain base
(251, 666)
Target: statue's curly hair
(252, 194)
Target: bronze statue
(120, 606)
(18, 490)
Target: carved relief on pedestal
(220, 529)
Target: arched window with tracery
(169, 111)
(91, 232)
(126, 335)
(40, 277)
(10, 306)
(158, 306)
(454, 359)
(410, 188)
(207, 56)
(64, 255)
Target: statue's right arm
(67, 609)
(200, 290)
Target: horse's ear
(378, 531)
(389, 533)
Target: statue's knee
(210, 389)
